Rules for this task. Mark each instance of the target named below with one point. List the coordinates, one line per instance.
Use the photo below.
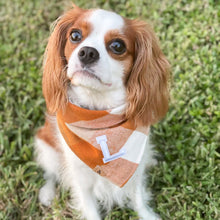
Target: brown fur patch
(147, 82)
(47, 134)
(54, 77)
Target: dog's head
(102, 51)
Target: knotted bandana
(110, 145)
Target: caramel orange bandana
(104, 141)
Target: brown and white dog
(98, 60)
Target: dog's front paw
(46, 194)
(151, 218)
(150, 215)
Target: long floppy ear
(55, 80)
(147, 84)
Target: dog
(105, 82)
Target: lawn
(186, 181)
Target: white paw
(151, 218)
(156, 216)
(150, 215)
(46, 194)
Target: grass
(187, 179)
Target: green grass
(187, 179)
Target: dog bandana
(110, 145)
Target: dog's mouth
(87, 72)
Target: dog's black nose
(88, 55)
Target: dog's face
(98, 51)
(102, 51)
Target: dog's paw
(46, 195)
(150, 215)
(156, 217)
(151, 218)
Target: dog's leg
(87, 204)
(47, 191)
(140, 204)
(49, 159)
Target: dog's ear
(54, 71)
(147, 83)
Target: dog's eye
(76, 36)
(117, 46)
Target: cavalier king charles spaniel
(105, 82)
